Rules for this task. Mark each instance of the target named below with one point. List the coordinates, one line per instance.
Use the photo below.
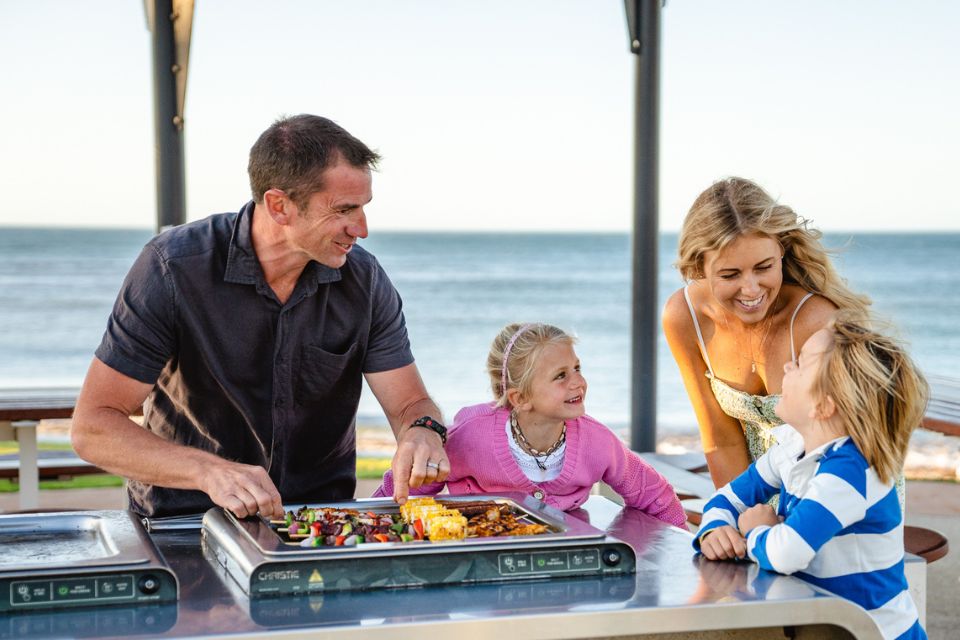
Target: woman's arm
(724, 444)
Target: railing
(943, 411)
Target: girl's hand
(757, 515)
(723, 543)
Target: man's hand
(244, 489)
(420, 460)
(760, 514)
(723, 543)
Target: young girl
(853, 397)
(535, 437)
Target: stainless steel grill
(70, 559)
(263, 564)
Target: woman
(759, 284)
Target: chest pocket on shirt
(326, 376)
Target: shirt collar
(244, 268)
(832, 445)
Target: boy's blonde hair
(735, 207)
(879, 394)
(513, 356)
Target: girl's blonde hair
(879, 394)
(734, 207)
(513, 356)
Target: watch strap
(429, 423)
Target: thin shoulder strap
(793, 349)
(696, 325)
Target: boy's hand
(760, 514)
(723, 543)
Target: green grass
(97, 481)
(8, 447)
(372, 468)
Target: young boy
(853, 399)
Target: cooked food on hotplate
(418, 519)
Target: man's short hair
(295, 151)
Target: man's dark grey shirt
(242, 376)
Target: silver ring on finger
(433, 465)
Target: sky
(495, 115)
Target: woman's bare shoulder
(676, 314)
(679, 330)
(815, 305)
(815, 314)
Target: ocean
(57, 287)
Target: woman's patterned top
(756, 412)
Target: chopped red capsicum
(338, 541)
(418, 528)
(315, 529)
(382, 537)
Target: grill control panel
(56, 591)
(557, 561)
(435, 567)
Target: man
(245, 336)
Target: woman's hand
(757, 515)
(723, 543)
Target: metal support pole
(168, 121)
(643, 20)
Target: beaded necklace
(536, 454)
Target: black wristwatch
(429, 423)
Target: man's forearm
(113, 442)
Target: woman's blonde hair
(513, 356)
(735, 207)
(879, 394)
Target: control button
(611, 557)
(514, 563)
(550, 561)
(148, 584)
(115, 587)
(538, 494)
(78, 589)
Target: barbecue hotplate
(69, 559)
(264, 563)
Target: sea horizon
(58, 284)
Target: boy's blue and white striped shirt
(842, 527)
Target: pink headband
(506, 354)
